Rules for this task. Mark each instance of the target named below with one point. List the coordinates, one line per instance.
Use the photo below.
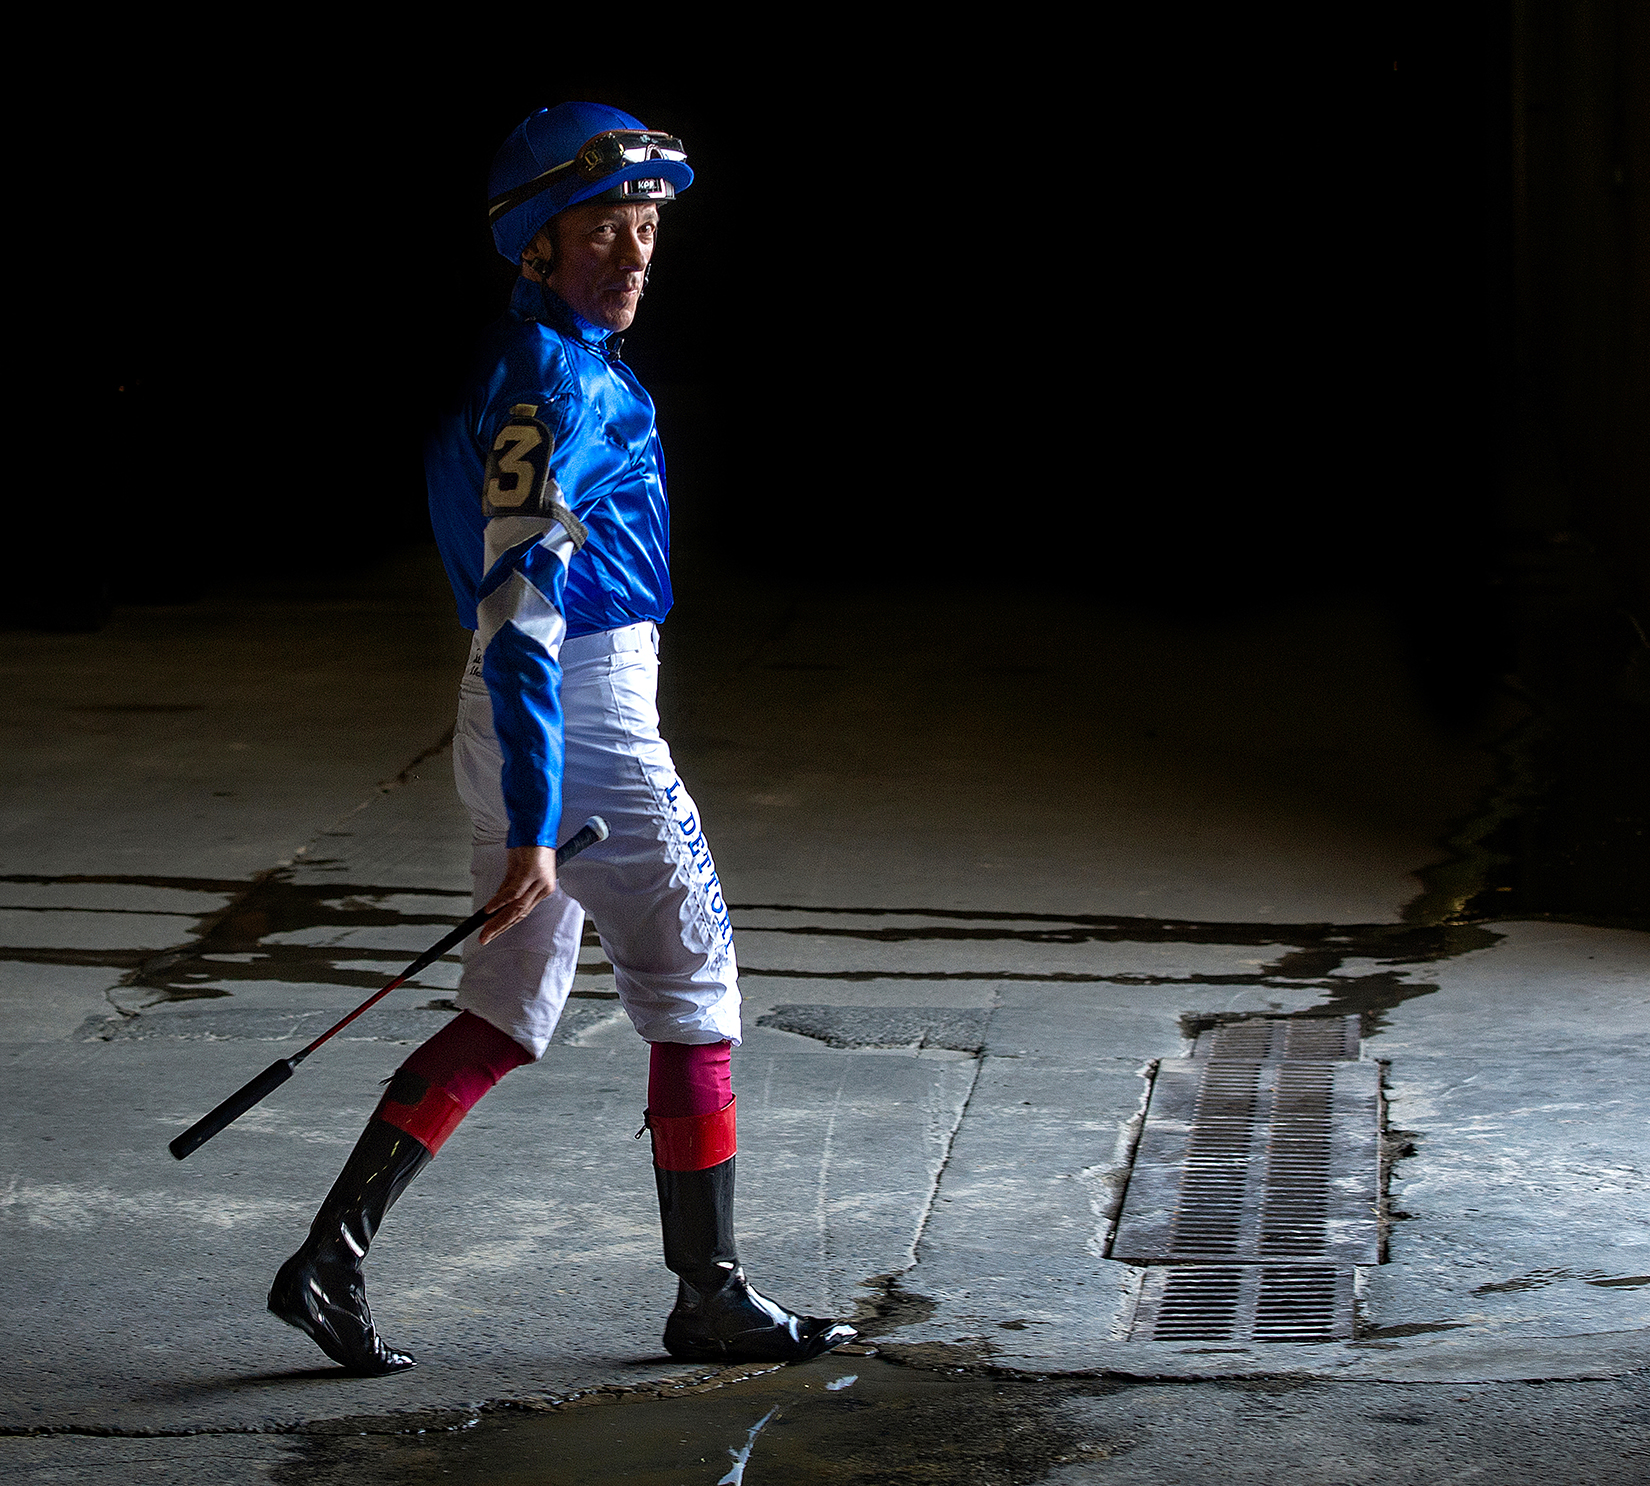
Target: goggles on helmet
(617, 148)
(598, 158)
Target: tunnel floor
(986, 883)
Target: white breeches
(651, 887)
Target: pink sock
(467, 1057)
(689, 1078)
(458, 1065)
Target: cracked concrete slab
(523, 1263)
(1520, 1252)
(969, 1199)
(1014, 1253)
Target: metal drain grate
(1249, 1161)
(1244, 1302)
(1263, 1148)
(1318, 1038)
(1294, 1213)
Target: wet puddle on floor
(838, 1421)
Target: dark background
(1201, 299)
(1205, 317)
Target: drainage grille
(1312, 1038)
(1245, 1302)
(1256, 1185)
(1252, 1161)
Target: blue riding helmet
(576, 152)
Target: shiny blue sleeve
(520, 621)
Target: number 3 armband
(518, 481)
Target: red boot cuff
(693, 1142)
(429, 1122)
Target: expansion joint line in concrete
(398, 780)
(821, 1188)
(885, 1286)
(1128, 1147)
(950, 1145)
(406, 775)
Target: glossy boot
(719, 1316)
(320, 1289)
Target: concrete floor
(1059, 835)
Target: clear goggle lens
(613, 151)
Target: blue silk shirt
(520, 575)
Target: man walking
(548, 501)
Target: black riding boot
(719, 1317)
(320, 1289)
